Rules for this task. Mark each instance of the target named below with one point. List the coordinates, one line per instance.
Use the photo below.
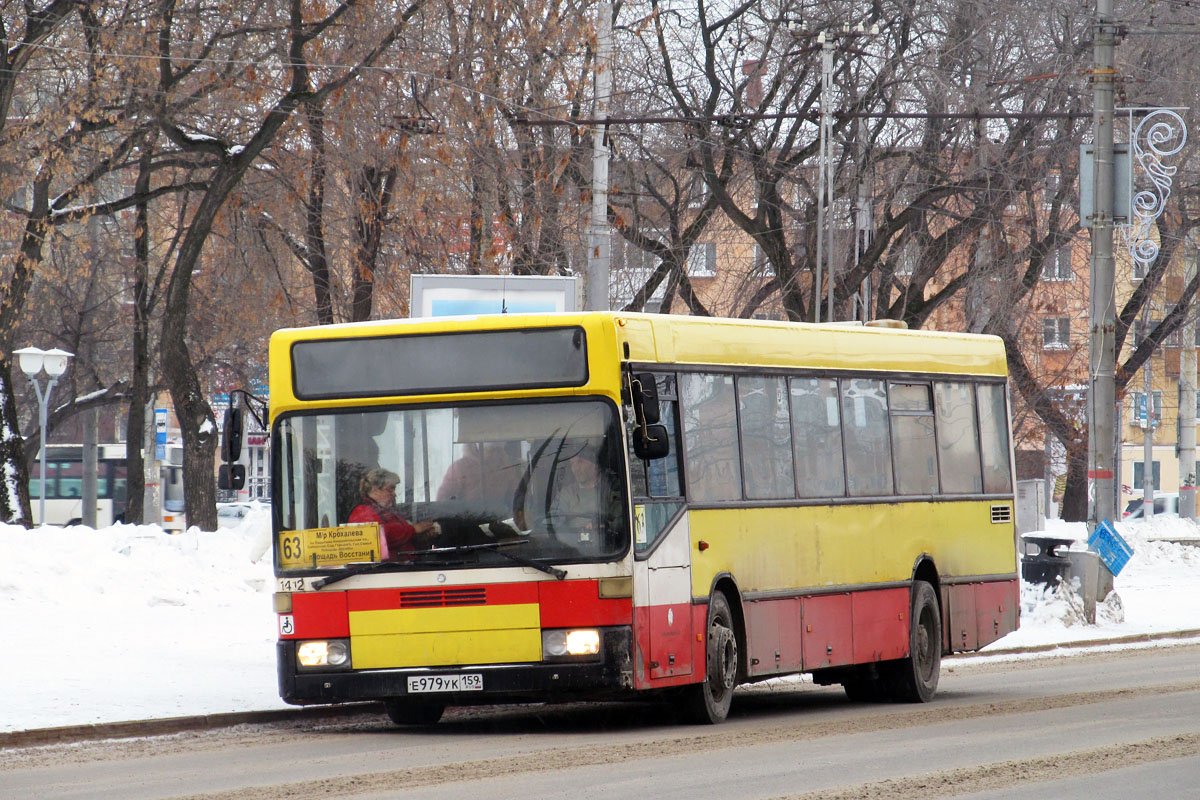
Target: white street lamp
(34, 360)
(31, 359)
(55, 362)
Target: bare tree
(202, 137)
(66, 130)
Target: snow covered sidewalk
(1158, 591)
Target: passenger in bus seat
(483, 479)
(378, 489)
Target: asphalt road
(1094, 724)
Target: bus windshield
(541, 481)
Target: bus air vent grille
(1002, 513)
(438, 598)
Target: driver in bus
(582, 499)
(378, 488)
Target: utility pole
(1102, 361)
(1187, 413)
(1047, 471)
(152, 492)
(88, 489)
(863, 229)
(599, 243)
(824, 178)
(1148, 424)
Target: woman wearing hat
(378, 488)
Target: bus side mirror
(231, 436)
(643, 392)
(651, 444)
(231, 477)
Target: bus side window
(656, 481)
(868, 447)
(958, 444)
(766, 437)
(914, 451)
(708, 406)
(70, 479)
(662, 474)
(993, 430)
(660, 477)
(817, 435)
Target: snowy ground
(129, 623)
(1158, 591)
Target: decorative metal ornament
(1161, 133)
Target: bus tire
(708, 702)
(404, 711)
(915, 679)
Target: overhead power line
(744, 120)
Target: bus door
(662, 544)
(668, 581)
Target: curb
(35, 737)
(164, 727)
(1139, 638)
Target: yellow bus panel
(430, 620)
(446, 649)
(846, 545)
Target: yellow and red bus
(632, 503)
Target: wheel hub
(722, 666)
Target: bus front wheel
(414, 712)
(915, 679)
(708, 702)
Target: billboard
(457, 295)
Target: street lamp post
(34, 360)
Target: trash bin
(1044, 559)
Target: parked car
(230, 515)
(1165, 505)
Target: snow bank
(1158, 591)
(128, 622)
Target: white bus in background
(64, 486)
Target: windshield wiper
(559, 574)
(356, 569)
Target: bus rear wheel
(915, 679)
(405, 711)
(708, 702)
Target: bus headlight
(324, 653)
(569, 644)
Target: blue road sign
(1114, 551)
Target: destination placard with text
(324, 547)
